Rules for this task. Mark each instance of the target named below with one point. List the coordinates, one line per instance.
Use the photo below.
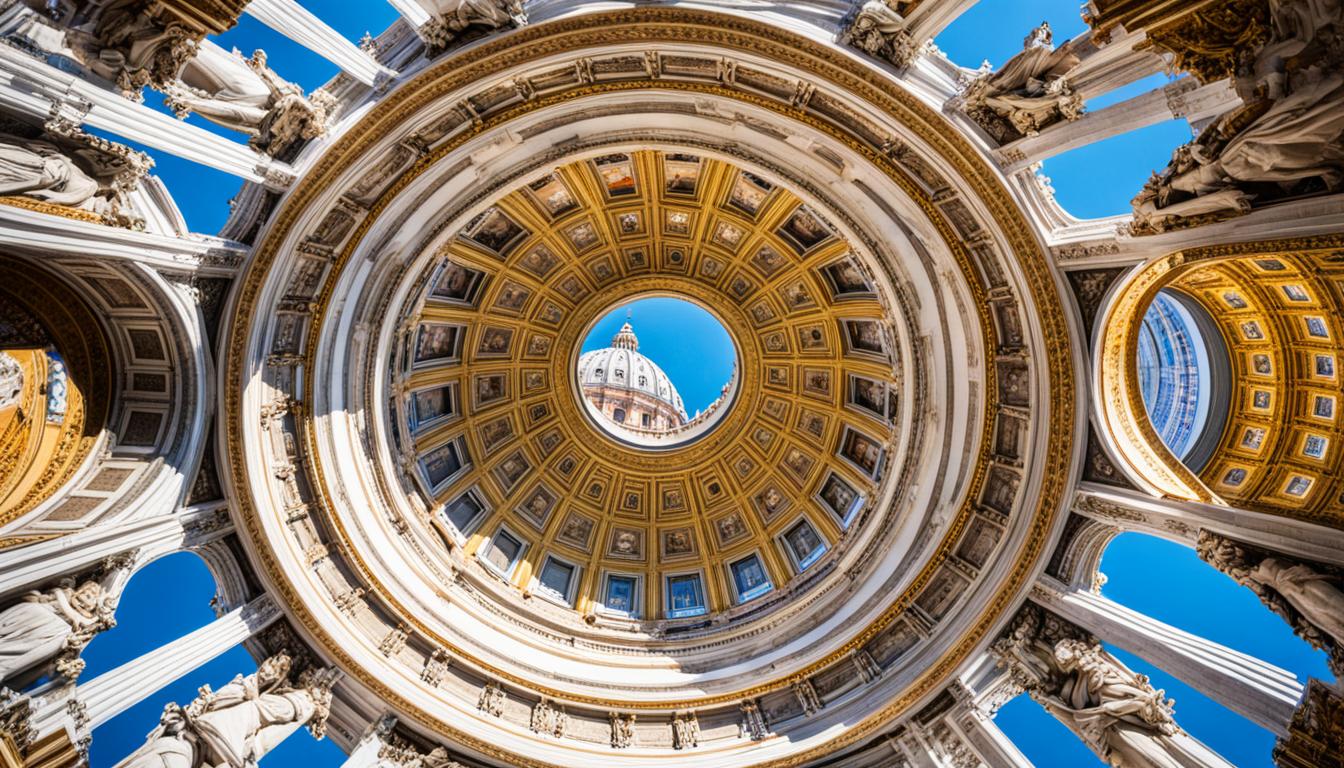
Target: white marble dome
(622, 366)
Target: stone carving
(753, 722)
(396, 752)
(456, 17)
(55, 624)
(61, 165)
(492, 700)
(1285, 141)
(685, 731)
(1309, 598)
(1316, 735)
(395, 641)
(1030, 92)
(436, 667)
(622, 730)
(548, 719)
(122, 42)
(879, 31)
(11, 380)
(1127, 722)
(238, 724)
(247, 96)
(807, 696)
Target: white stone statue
(38, 169)
(51, 624)
(1287, 140)
(118, 41)
(1308, 599)
(242, 721)
(171, 745)
(879, 30)
(247, 96)
(453, 17)
(1030, 92)
(11, 381)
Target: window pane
(621, 594)
(463, 511)
(750, 578)
(685, 596)
(556, 577)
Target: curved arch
(1274, 306)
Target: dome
(621, 366)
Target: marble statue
(1127, 722)
(1030, 92)
(119, 42)
(246, 718)
(61, 165)
(38, 169)
(1287, 140)
(453, 17)
(171, 745)
(11, 381)
(247, 96)
(879, 31)
(55, 624)
(1307, 598)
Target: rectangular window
(444, 464)
(685, 596)
(464, 512)
(503, 551)
(804, 544)
(622, 595)
(557, 578)
(749, 578)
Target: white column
(28, 566)
(931, 17)
(991, 743)
(32, 87)
(300, 25)
(412, 11)
(1113, 65)
(116, 691)
(1182, 98)
(1182, 520)
(23, 229)
(1255, 689)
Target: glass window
(504, 551)
(556, 578)
(619, 415)
(749, 578)
(644, 419)
(1183, 375)
(621, 594)
(804, 544)
(464, 511)
(685, 596)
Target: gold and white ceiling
(407, 336)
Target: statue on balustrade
(879, 30)
(62, 169)
(53, 624)
(1116, 711)
(457, 19)
(247, 96)
(1031, 91)
(1286, 141)
(1309, 598)
(240, 723)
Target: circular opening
(1183, 376)
(657, 372)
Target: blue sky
(170, 598)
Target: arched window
(619, 415)
(1184, 376)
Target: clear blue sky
(687, 342)
(171, 597)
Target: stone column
(412, 11)
(929, 18)
(1182, 98)
(1255, 689)
(300, 25)
(1116, 712)
(32, 87)
(117, 690)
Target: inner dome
(668, 384)
(545, 492)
